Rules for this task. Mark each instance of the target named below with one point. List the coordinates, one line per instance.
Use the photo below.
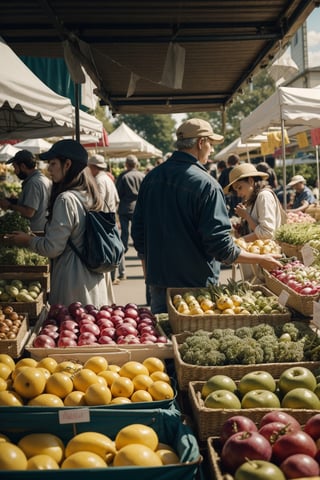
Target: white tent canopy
(237, 147)
(7, 151)
(34, 145)
(293, 106)
(124, 141)
(28, 108)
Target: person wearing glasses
(180, 227)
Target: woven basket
(214, 459)
(291, 250)
(14, 347)
(208, 421)
(314, 211)
(190, 323)
(301, 303)
(190, 373)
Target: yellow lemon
(120, 400)
(142, 382)
(168, 457)
(5, 358)
(46, 372)
(136, 433)
(42, 462)
(4, 438)
(97, 394)
(68, 367)
(49, 363)
(10, 398)
(12, 457)
(141, 396)
(109, 376)
(137, 455)
(46, 400)
(60, 384)
(29, 382)
(160, 390)
(132, 368)
(154, 364)
(84, 378)
(163, 376)
(122, 387)
(3, 385)
(42, 443)
(94, 442)
(114, 368)
(74, 399)
(83, 459)
(96, 364)
(26, 362)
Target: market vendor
(180, 224)
(303, 195)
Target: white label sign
(316, 314)
(283, 298)
(307, 255)
(74, 415)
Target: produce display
(297, 387)
(234, 298)
(278, 447)
(49, 383)
(299, 217)
(263, 343)
(134, 445)
(18, 291)
(258, 246)
(13, 221)
(10, 323)
(299, 234)
(77, 325)
(303, 280)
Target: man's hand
(270, 262)
(5, 204)
(19, 239)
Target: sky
(313, 32)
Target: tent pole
(77, 108)
(318, 169)
(283, 146)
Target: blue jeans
(158, 303)
(125, 221)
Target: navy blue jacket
(180, 224)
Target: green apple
(297, 377)
(260, 399)
(317, 390)
(218, 382)
(301, 398)
(257, 380)
(222, 399)
(258, 470)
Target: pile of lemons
(134, 445)
(48, 383)
(259, 246)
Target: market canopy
(7, 151)
(124, 141)
(34, 145)
(157, 56)
(237, 147)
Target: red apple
(236, 424)
(273, 430)
(131, 320)
(68, 333)
(118, 312)
(106, 340)
(279, 416)
(131, 312)
(109, 332)
(126, 329)
(87, 336)
(104, 323)
(103, 314)
(292, 443)
(312, 426)
(299, 466)
(44, 341)
(69, 325)
(51, 333)
(90, 327)
(67, 342)
(162, 339)
(147, 337)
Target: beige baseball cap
(98, 161)
(196, 127)
(296, 179)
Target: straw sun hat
(242, 171)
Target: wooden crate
(32, 308)
(15, 347)
(186, 372)
(190, 323)
(208, 422)
(301, 303)
(27, 274)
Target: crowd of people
(178, 216)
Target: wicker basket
(291, 250)
(190, 323)
(301, 303)
(314, 211)
(14, 347)
(190, 373)
(208, 421)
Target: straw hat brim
(245, 175)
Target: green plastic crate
(167, 423)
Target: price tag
(307, 255)
(283, 297)
(74, 415)
(316, 314)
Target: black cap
(69, 149)
(21, 157)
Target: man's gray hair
(186, 143)
(131, 161)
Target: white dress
(70, 279)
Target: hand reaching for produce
(266, 261)
(20, 239)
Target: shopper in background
(231, 198)
(180, 225)
(272, 178)
(128, 184)
(73, 192)
(303, 195)
(110, 198)
(36, 188)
